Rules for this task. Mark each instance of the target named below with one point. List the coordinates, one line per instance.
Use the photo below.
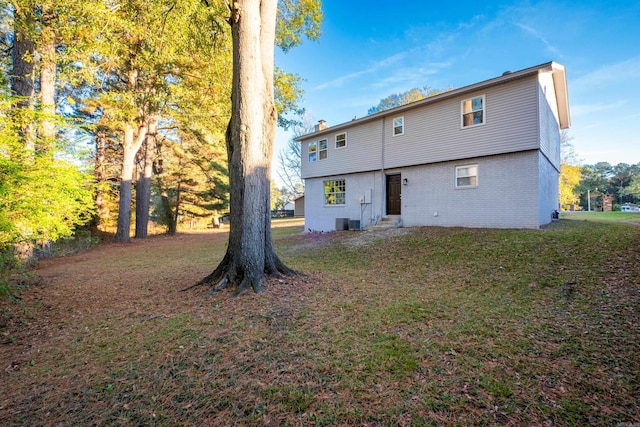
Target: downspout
(382, 177)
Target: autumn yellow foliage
(569, 179)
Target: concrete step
(386, 223)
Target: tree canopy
(412, 95)
(100, 97)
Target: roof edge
(559, 81)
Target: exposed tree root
(228, 274)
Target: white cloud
(383, 63)
(624, 71)
(585, 109)
(535, 33)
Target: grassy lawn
(428, 326)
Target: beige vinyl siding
(433, 133)
(548, 117)
(363, 152)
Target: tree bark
(102, 206)
(22, 76)
(48, 69)
(143, 184)
(250, 255)
(131, 144)
(168, 212)
(176, 210)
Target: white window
(322, 149)
(467, 176)
(341, 140)
(473, 111)
(334, 192)
(313, 152)
(398, 126)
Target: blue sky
(371, 49)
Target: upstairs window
(334, 192)
(341, 140)
(398, 126)
(313, 152)
(473, 111)
(317, 150)
(322, 149)
(466, 176)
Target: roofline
(559, 81)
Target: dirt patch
(365, 238)
(316, 240)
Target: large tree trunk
(131, 144)
(48, 69)
(102, 206)
(22, 76)
(143, 184)
(167, 211)
(173, 228)
(250, 253)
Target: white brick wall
(319, 217)
(506, 195)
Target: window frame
(483, 110)
(458, 177)
(313, 152)
(336, 140)
(394, 127)
(321, 150)
(340, 184)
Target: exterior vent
(507, 72)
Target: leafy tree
(250, 255)
(569, 180)
(604, 179)
(633, 189)
(147, 52)
(594, 183)
(42, 198)
(621, 177)
(398, 99)
(192, 179)
(570, 173)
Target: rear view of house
(485, 155)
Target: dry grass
(437, 326)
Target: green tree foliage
(297, 18)
(634, 188)
(192, 181)
(117, 65)
(605, 180)
(41, 198)
(155, 61)
(398, 99)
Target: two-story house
(484, 155)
